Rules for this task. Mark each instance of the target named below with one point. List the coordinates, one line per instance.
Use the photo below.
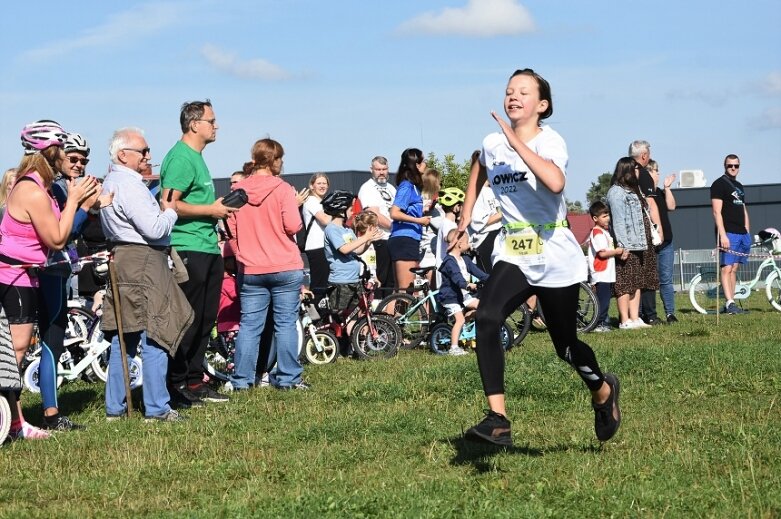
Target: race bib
(524, 245)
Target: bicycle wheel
(506, 336)
(414, 323)
(218, 360)
(135, 369)
(588, 308)
(324, 351)
(702, 293)
(439, 339)
(30, 376)
(773, 289)
(78, 327)
(381, 344)
(520, 322)
(5, 419)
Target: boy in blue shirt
(455, 293)
(342, 248)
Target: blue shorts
(403, 248)
(737, 243)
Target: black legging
(318, 272)
(497, 301)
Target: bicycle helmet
(40, 135)
(75, 142)
(450, 196)
(337, 203)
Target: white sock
(729, 301)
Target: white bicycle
(704, 289)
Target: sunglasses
(733, 166)
(74, 160)
(142, 151)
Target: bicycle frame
(743, 288)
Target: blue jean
(155, 367)
(604, 293)
(665, 263)
(281, 291)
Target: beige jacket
(150, 298)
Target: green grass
(701, 437)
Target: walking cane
(718, 276)
(112, 273)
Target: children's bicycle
(439, 341)
(321, 345)
(704, 290)
(415, 315)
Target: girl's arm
(400, 216)
(546, 171)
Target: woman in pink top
(31, 227)
(270, 269)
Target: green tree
(454, 174)
(598, 189)
(575, 207)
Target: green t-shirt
(184, 170)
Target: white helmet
(75, 142)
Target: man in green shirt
(186, 182)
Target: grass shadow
(479, 455)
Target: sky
(340, 82)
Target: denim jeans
(155, 366)
(281, 291)
(604, 293)
(665, 265)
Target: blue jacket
(452, 280)
(626, 218)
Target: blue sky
(339, 82)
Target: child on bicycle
(342, 248)
(602, 254)
(455, 292)
(450, 199)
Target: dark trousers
(385, 272)
(203, 292)
(604, 293)
(504, 291)
(648, 305)
(318, 272)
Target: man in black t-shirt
(641, 152)
(732, 227)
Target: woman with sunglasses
(32, 227)
(525, 163)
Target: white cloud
(772, 83)
(770, 119)
(125, 27)
(479, 18)
(256, 68)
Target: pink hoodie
(264, 229)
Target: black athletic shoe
(605, 424)
(181, 398)
(207, 394)
(495, 429)
(655, 321)
(671, 319)
(60, 422)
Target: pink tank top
(18, 240)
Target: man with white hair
(153, 307)
(377, 195)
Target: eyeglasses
(144, 151)
(210, 121)
(74, 160)
(733, 166)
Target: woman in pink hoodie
(270, 269)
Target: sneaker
(734, 309)
(170, 416)
(602, 328)
(60, 422)
(114, 417)
(181, 398)
(207, 394)
(639, 323)
(28, 432)
(628, 325)
(654, 322)
(607, 416)
(301, 386)
(457, 351)
(262, 381)
(671, 319)
(494, 429)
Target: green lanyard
(519, 226)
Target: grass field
(701, 437)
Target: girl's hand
(668, 180)
(301, 196)
(424, 220)
(506, 128)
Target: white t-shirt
(485, 207)
(445, 227)
(601, 270)
(315, 237)
(558, 260)
(428, 242)
(373, 194)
